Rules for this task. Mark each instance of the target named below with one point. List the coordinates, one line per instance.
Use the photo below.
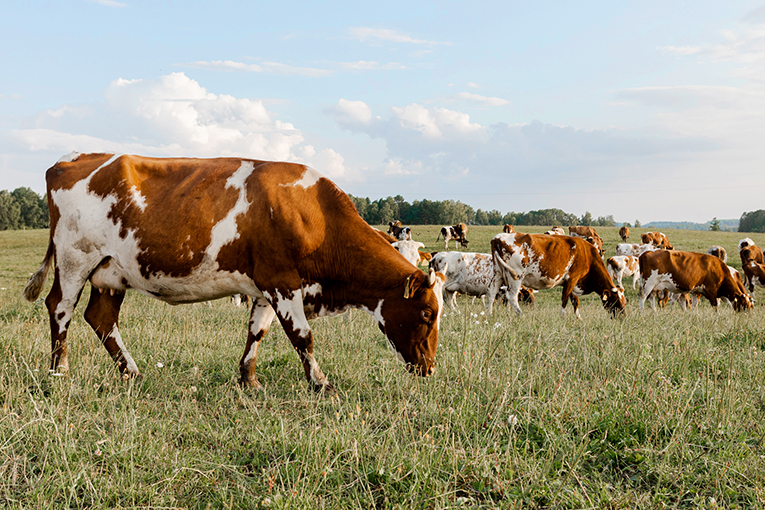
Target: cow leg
(568, 294)
(513, 290)
(102, 314)
(290, 311)
(261, 316)
(61, 301)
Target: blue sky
(643, 110)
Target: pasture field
(658, 410)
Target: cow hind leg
(61, 302)
(261, 316)
(290, 311)
(102, 314)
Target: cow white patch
(308, 179)
(292, 309)
(138, 199)
(132, 368)
(225, 231)
(68, 158)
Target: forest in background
(23, 208)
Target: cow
(556, 231)
(657, 239)
(634, 250)
(624, 233)
(401, 233)
(755, 253)
(508, 229)
(597, 242)
(188, 230)
(621, 266)
(541, 261)
(409, 250)
(719, 252)
(754, 272)
(240, 299)
(457, 232)
(582, 231)
(424, 257)
(466, 273)
(689, 272)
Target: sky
(643, 110)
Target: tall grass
(657, 410)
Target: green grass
(657, 410)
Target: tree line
(23, 208)
(753, 221)
(450, 212)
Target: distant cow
(719, 252)
(409, 250)
(748, 252)
(508, 229)
(597, 242)
(657, 239)
(624, 233)
(621, 266)
(582, 231)
(687, 272)
(556, 231)
(189, 230)
(401, 233)
(457, 233)
(541, 261)
(634, 250)
(753, 271)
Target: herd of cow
(186, 230)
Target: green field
(657, 410)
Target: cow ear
(433, 277)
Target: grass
(540, 411)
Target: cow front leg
(261, 316)
(289, 309)
(102, 314)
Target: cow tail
(37, 281)
(505, 266)
(439, 236)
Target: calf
(621, 266)
(688, 272)
(541, 261)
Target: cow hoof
(251, 383)
(324, 389)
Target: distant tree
(495, 217)
(637, 224)
(626, 224)
(606, 221)
(10, 212)
(33, 208)
(586, 219)
(715, 225)
(481, 217)
(752, 221)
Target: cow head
(410, 320)
(742, 301)
(614, 301)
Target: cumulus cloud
(482, 100)
(176, 116)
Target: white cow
(624, 265)
(409, 250)
(633, 250)
(467, 273)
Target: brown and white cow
(466, 273)
(755, 252)
(400, 233)
(657, 239)
(457, 233)
(582, 231)
(688, 272)
(190, 230)
(409, 249)
(623, 265)
(556, 231)
(508, 229)
(541, 261)
(719, 252)
(754, 272)
(624, 233)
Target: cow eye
(426, 315)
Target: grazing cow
(621, 266)
(409, 250)
(657, 239)
(624, 233)
(755, 253)
(457, 232)
(508, 229)
(688, 272)
(597, 242)
(401, 233)
(719, 252)
(556, 231)
(634, 250)
(189, 230)
(754, 272)
(582, 231)
(466, 273)
(540, 261)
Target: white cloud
(435, 122)
(176, 116)
(388, 35)
(264, 68)
(482, 100)
(370, 65)
(109, 3)
(351, 113)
